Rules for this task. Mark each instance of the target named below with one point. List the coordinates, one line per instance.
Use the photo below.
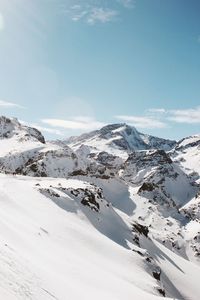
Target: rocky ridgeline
(91, 196)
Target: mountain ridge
(122, 137)
(116, 214)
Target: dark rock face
(156, 275)
(161, 291)
(104, 131)
(146, 159)
(78, 173)
(88, 198)
(37, 134)
(141, 229)
(147, 187)
(188, 143)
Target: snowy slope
(51, 250)
(187, 154)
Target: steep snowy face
(119, 140)
(11, 127)
(141, 164)
(191, 141)
(32, 159)
(187, 155)
(192, 208)
(53, 163)
(161, 180)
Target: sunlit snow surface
(56, 244)
(49, 252)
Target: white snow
(77, 237)
(47, 252)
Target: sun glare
(1, 22)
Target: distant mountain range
(111, 214)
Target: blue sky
(70, 66)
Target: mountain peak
(118, 138)
(116, 126)
(11, 127)
(111, 127)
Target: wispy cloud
(153, 118)
(76, 123)
(98, 11)
(162, 118)
(127, 3)
(77, 12)
(43, 129)
(48, 130)
(185, 116)
(156, 110)
(142, 121)
(188, 116)
(99, 14)
(7, 104)
(92, 14)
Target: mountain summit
(119, 139)
(11, 127)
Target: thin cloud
(157, 110)
(77, 12)
(92, 14)
(43, 129)
(9, 104)
(127, 3)
(188, 116)
(48, 130)
(142, 121)
(77, 123)
(96, 12)
(184, 116)
(99, 14)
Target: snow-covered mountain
(23, 150)
(112, 214)
(12, 128)
(119, 139)
(187, 153)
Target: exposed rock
(141, 229)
